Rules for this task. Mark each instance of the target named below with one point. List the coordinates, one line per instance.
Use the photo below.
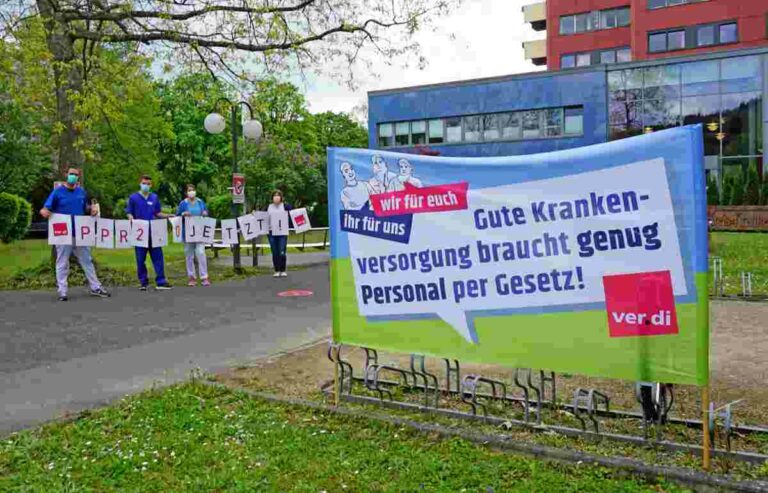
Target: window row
(693, 37)
(658, 4)
(738, 74)
(613, 55)
(592, 21)
(517, 125)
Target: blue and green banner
(590, 260)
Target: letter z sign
(640, 304)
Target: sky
(487, 41)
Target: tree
(713, 192)
(752, 188)
(764, 190)
(338, 130)
(282, 35)
(737, 192)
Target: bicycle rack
(334, 354)
(718, 283)
(471, 383)
(589, 401)
(452, 368)
(746, 284)
(655, 405)
(726, 414)
(426, 377)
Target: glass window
(624, 114)
(531, 124)
(622, 17)
(607, 19)
(705, 110)
(741, 120)
(700, 78)
(705, 35)
(624, 55)
(401, 133)
(662, 82)
(574, 120)
(435, 131)
(657, 42)
(740, 74)
(472, 128)
(657, 4)
(729, 33)
(568, 61)
(453, 129)
(617, 85)
(580, 23)
(583, 59)
(510, 125)
(567, 24)
(553, 119)
(593, 20)
(675, 40)
(635, 84)
(659, 114)
(419, 132)
(490, 127)
(608, 56)
(386, 135)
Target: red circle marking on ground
(295, 292)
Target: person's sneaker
(142, 288)
(276, 274)
(101, 293)
(206, 282)
(283, 274)
(163, 287)
(63, 297)
(192, 282)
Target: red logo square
(60, 229)
(300, 220)
(640, 304)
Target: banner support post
(336, 388)
(706, 445)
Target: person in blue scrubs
(146, 205)
(71, 199)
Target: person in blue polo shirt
(146, 205)
(71, 199)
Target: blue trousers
(278, 245)
(156, 254)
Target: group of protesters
(70, 198)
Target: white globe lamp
(252, 130)
(214, 123)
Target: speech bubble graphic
(534, 245)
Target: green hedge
(15, 217)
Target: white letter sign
(278, 223)
(122, 233)
(229, 232)
(193, 229)
(105, 233)
(85, 231)
(140, 233)
(159, 230)
(300, 220)
(60, 229)
(209, 229)
(176, 229)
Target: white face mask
(191, 194)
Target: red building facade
(590, 32)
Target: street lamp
(215, 123)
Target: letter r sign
(640, 304)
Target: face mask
(144, 188)
(191, 194)
(72, 179)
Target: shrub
(220, 206)
(119, 211)
(20, 226)
(9, 211)
(737, 195)
(713, 192)
(764, 190)
(752, 188)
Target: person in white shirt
(383, 180)
(406, 173)
(354, 195)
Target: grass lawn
(193, 437)
(742, 252)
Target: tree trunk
(67, 80)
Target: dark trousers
(156, 254)
(279, 245)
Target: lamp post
(252, 130)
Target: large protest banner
(590, 260)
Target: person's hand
(205, 213)
(45, 213)
(186, 213)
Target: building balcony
(536, 15)
(536, 51)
